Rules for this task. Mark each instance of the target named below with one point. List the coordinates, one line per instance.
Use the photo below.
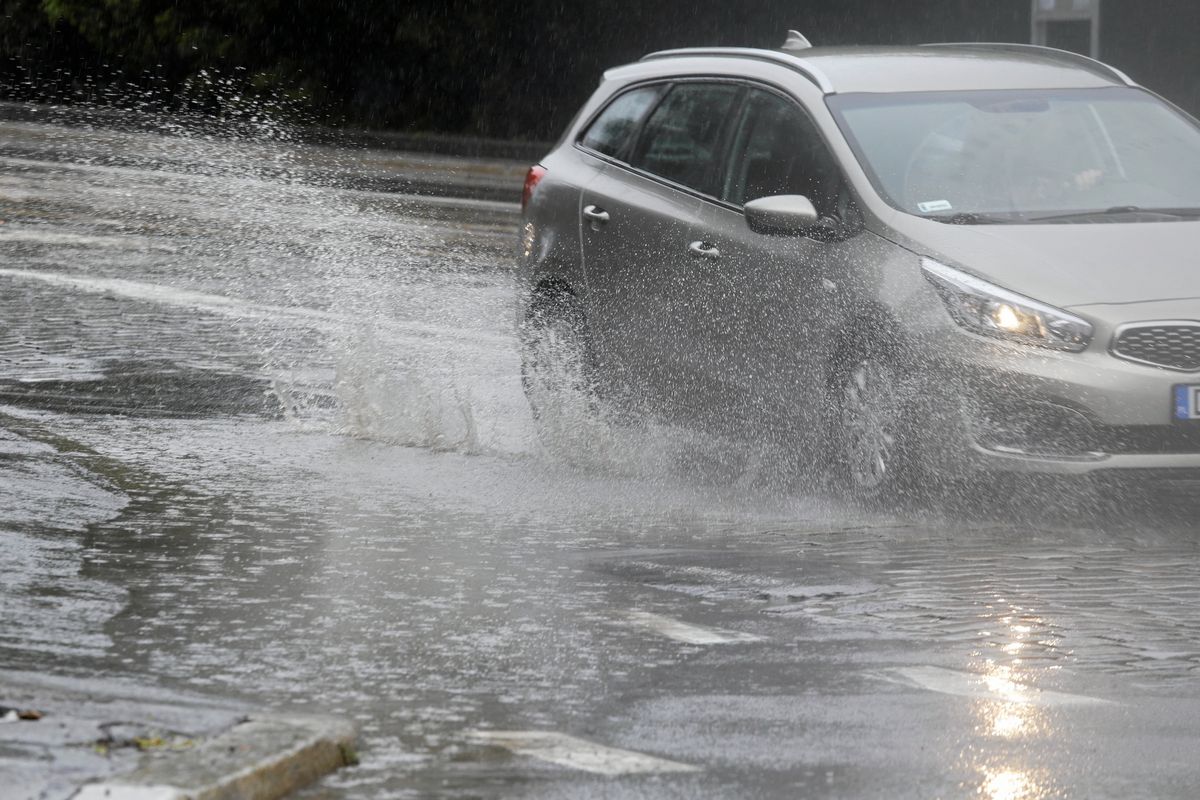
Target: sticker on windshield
(930, 206)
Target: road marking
(126, 242)
(998, 686)
(685, 632)
(569, 751)
(242, 309)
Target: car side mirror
(781, 214)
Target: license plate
(1187, 403)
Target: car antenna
(796, 41)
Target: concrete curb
(263, 758)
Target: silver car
(937, 259)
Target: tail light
(532, 179)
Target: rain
(309, 428)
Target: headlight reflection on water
(1011, 722)
(1009, 785)
(1000, 681)
(1013, 719)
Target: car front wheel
(870, 424)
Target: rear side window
(681, 139)
(609, 133)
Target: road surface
(264, 439)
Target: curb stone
(263, 758)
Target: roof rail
(1096, 67)
(805, 68)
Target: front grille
(1173, 345)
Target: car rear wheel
(557, 367)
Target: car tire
(870, 423)
(557, 363)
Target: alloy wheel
(870, 418)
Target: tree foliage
(507, 68)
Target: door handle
(595, 215)
(703, 250)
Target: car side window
(777, 150)
(681, 140)
(611, 132)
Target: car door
(638, 217)
(768, 305)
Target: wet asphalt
(263, 440)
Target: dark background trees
(502, 68)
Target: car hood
(1068, 264)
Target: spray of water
(362, 314)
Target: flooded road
(266, 440)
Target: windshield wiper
(968, 218)
(1118, 211)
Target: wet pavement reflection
(266, 440)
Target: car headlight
(983, 308)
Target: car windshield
(1037, 155)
